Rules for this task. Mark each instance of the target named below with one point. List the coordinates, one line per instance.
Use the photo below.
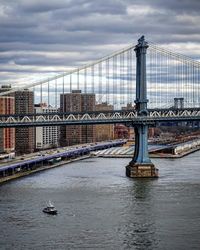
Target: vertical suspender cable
(116, 81)
(167, 78)
(193, 93)
(85, 80)
(107, 81)
(181, 78)
(70, 83)
(56, 86)
(48, 93)
(156, 76)
(126, 79)
(123, 74)
(185, 80)
(63, 92)
(132, 82)
(189, 85)
(100, 81)
(113, 87)
(41, 93)
(150, 77)
(160, 83)
(129, 76)
(120, 77)
(175, 77)
(198, 85)
(78, 84)
(187, 92)
(93, 79)
(159, 79)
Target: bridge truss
(109, 117)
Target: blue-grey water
(100, 208)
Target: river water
(100, 208)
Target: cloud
(183, 6)
(51, 36)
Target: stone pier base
(141, 171)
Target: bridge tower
(141, 165)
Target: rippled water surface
(100, 208)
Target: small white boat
(50, 209)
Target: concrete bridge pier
(141, 165)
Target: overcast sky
(41, 37)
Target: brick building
(77, 102)
(25, 136)
(7, 135)
(104, 131)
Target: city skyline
(41, 38)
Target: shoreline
(40, 169)
(64, 162)
(154, 155)
(185, 153)
(47, 160)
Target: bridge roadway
(104, 117)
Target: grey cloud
(88, 27)
(178, 6)
(38, 6)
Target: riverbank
(156, 151)
(39, 169)
(36, 163)
(180, 155)
(177, 150)
(154, 155)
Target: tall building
(24, 139)
(104, 131)
(47, 136)
(7, 135)
(77, 102)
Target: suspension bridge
(170, 76)
(166, 80)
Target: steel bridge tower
(141, 165)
